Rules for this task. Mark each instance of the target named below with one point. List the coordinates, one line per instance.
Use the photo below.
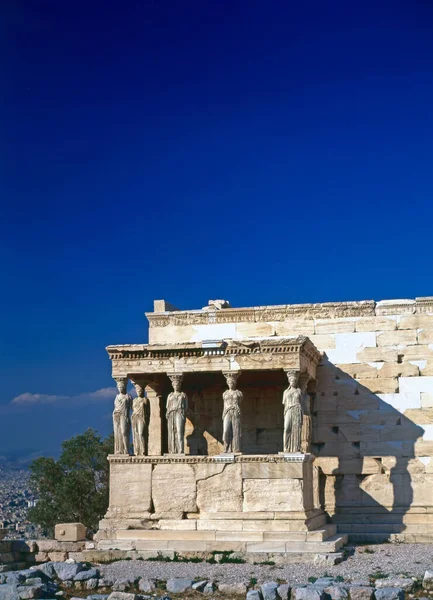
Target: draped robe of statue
(293, 418)
(232, 418)
(139, 425)
(122, 423)
(177, 405)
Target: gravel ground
(391, 559)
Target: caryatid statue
(121, 418)
(177, 405)
(293, 414)
(140, 419)
(232, 416)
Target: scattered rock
(405, 583)
(47, 569)
(105, 583)
(308, 593)
(85, 575)
(389, 593)
(199, 586)
(269, 590)
(178, 585)
(8, 591)
(91, 584)
(209, 588)
(146, 585)
(67, 571)
(254, 595)
(337, 592)
(27, 592)
(283, 591)
(121, 596)
(427, 582)
(233, 588)
(361, 592)
(328, 560)
(33, 581)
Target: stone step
(212, 535)
(332, 544)
(369, 537)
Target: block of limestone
(70, 532)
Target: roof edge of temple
(220, 311)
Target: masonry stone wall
(373, 409)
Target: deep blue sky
(266, 152)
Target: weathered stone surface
(181, 479)
(328, 560)
(70, 532)
(232, 588)
(427, 582)
(405, 583)
(337, 592)
(137, 479)
(219, 488)
(209, 588)
(8, 592)
(179, 585)
(122, 596)
(308, 593)
(67, 571)
(389, 593)
(361, 592)
(273, 494)
(254, 595)
(27, 592)
(91, 584)
(283, 591)
(146, 585)
(85, 575)
(199, 586)
(46, 568)
(269, 590)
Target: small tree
(74, 488)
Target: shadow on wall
(366, 451)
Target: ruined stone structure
(326, 428)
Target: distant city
(16, 498)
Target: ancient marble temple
(273, 429)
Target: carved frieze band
(244, 458)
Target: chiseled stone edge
(326, 310)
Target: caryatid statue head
(293, 377)
(121, 383)
(176, 382)
(139, 388)
(231, 379)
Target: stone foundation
(242, 503)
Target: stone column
(154, 395)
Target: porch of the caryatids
(232, 414)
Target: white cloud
(29, 399)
